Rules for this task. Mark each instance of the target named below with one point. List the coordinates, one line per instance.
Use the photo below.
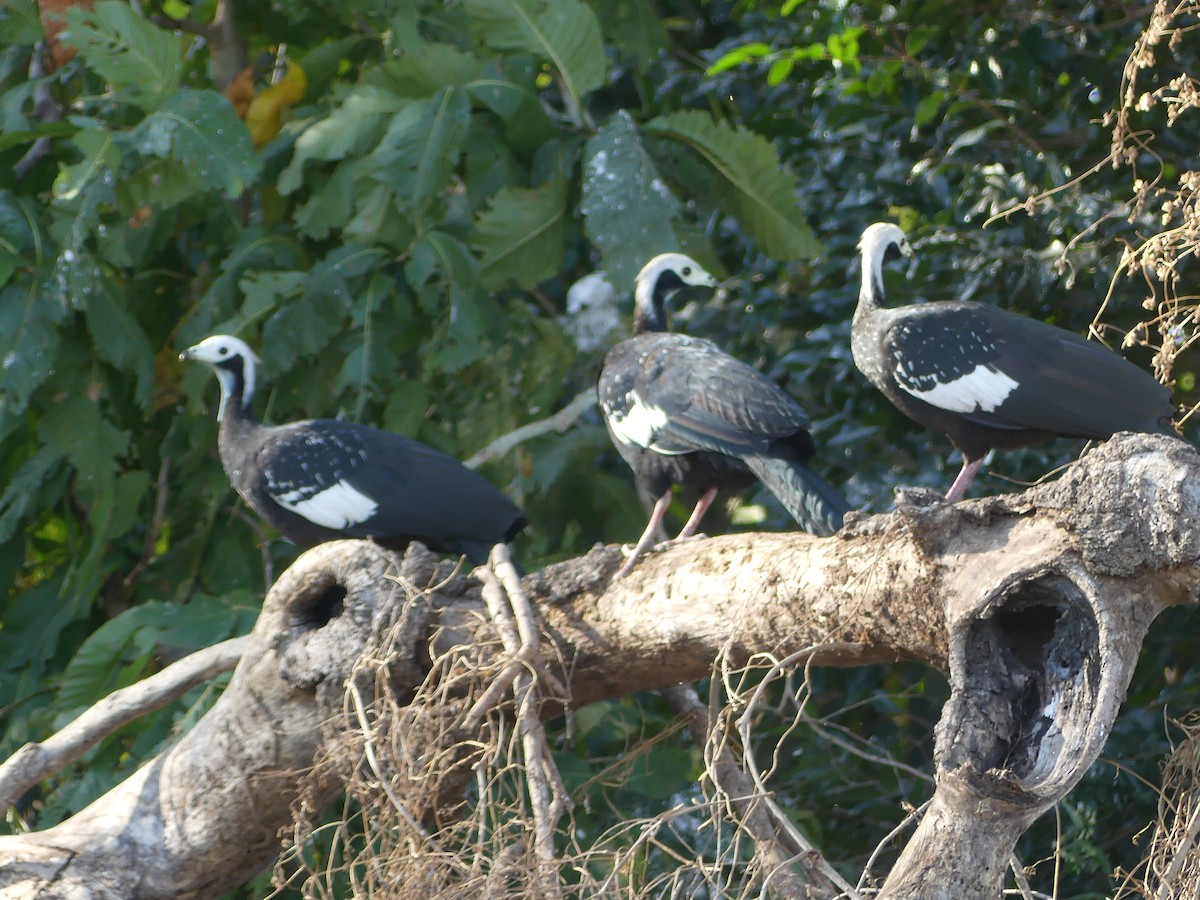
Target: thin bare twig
(559, 422)
(512, 613)
(35, 761)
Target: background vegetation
(391, 200)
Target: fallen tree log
(1034, 603)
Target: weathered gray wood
(1035, 603)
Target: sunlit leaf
(754, 186)
(126, 49)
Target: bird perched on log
(990, 379)
(682, 411)
(322, 479)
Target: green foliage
(400, 254)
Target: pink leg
(647, 539)
(965, 476)
(702, 506)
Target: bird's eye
(687, 270)
(223, 351)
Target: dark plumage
(989, 379)
(321, 479)
(682, 411)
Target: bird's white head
(880, 243)
(233, 362)
(658, 281)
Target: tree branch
(559, 422)
(1036, 603)
(33, 762)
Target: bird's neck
(237, 390)
(870, 293)
(650, 307)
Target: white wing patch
(338, 506)
(980, 390)
(640, 422)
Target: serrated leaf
(19, 492)
(18, 224)
(627, 208)
(100, 156)
(28, 343)
(255, 249)
(127, 50)
(119, 340)
(76, 428)
(446, 279)
(330, 205)
(200, 129)
(565, 33)
(753, 185)
(519, 237)
(420, 150)
(633, 27)
(95, 669)
(432, 68)
(506, 86)
(160, 184)
(309, 322)
(353, 128)
(322, 62)
(43, 130)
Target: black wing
(692, 396)
(380, 484)
(1008, 371)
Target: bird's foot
(681, 539)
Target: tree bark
(1035, 603)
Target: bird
(682, 411)
(990, 379)
(322, 479)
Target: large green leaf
(126, 49)
(201, 130)
(120, 341)
(100, 158)
(563, 32)
(446, 279)
(28, 342)
(627, 206)
(76, 428)
(436, 66)
(98, 667)
(309, 322)
(19, 492)
(418, 154)
(753, 186)
(349, 130)
(633, 27)
(519, 237)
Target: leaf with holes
(125, 49)
(752, 184)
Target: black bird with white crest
(682, 411)
(323, 479)
(990, 379)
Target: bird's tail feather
(817, 506)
